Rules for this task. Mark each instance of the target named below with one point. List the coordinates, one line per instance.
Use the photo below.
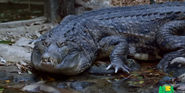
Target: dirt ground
(136, 2)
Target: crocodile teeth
(47, 63)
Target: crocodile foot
(176, 62)
(117, 67)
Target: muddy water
(142, 81)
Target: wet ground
(142, 81)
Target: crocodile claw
(118, 67)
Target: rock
(62, 85)
(48, 89)
(80, 85)
(163, 81)
(33, 87)
(101, 69)
(133, 65)
(14, 53)
(87, 5)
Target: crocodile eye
(36, 50)
(46, 43)
(61, 44)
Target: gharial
(139, 32)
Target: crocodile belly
(143, 52)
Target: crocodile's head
(57, 57)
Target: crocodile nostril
(46, 57)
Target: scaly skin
(140, 32)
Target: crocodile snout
(47, 59)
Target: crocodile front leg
(171, 37)
(118, 55)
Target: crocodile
(143, 32)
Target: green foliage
(6, 42)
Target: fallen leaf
(51, 79)
(141, 82)
(2, 60)
(129, 82)
(29, 72)
(1, 90)
(6, 42)
(7, 81)
(140, 77)
(18, 66)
